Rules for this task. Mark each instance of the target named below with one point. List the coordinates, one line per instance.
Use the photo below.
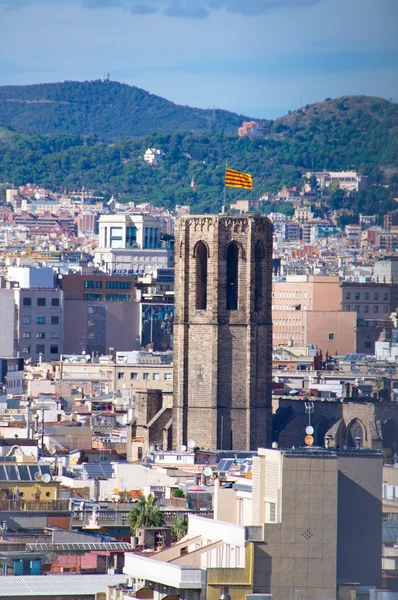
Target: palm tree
(179, 528)
(146, 513)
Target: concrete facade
(334, 332)
(32, 323)
(39, 323)
(325, 526)
(223, 332)
(307, 310)
(100, 313)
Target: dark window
(201, 276)
(54, 301)
(93, 284)
(139, 453)
(93, 296)
(368, 345)
(331, 336)
(258, 276)
(118, 297)
(40, 348)
(40, 335)
(41, 302)
(53, 349)
(366, 295)
(348, 296)
(131, 237)
(40, 320)
(232, 276)
(120, 285)
(385, 296)
(54, 320)
(357, 296)
(27, 301)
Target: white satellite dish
(309, 430)
(38, 476)
(207, 472)
(46, 478)
(191, 444)
(183, 448)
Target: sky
(259, 58)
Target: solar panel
(78, 547)
(23, 473)
(12, 473)
(32, 471)
(225, 464)
(45, 469)
(95, 470)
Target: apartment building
(131, 244)
(101, 314)
(144, 370)
(39, 323)
(373, 304)
(32, 314)
(385, 269)
(308, 520)
(306, 309)
(253, 129)
(346, 180)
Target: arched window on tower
(232, 276)
(201, 276)
(355, 434)
(258, 276)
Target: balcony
(175, 576)
(33, 506)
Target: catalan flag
(237, 179)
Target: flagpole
(225, 192)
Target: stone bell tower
(223, 332)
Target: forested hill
(108, 109)
(349, 133)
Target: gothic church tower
(223, 332)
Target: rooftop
(52, 585)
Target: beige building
(346, 180)
(315, 506)
(144, 371)
(306, 525)
(307, 292)
(306, 309)
(334, 332)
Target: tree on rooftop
(146, 513)
(179, 528)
